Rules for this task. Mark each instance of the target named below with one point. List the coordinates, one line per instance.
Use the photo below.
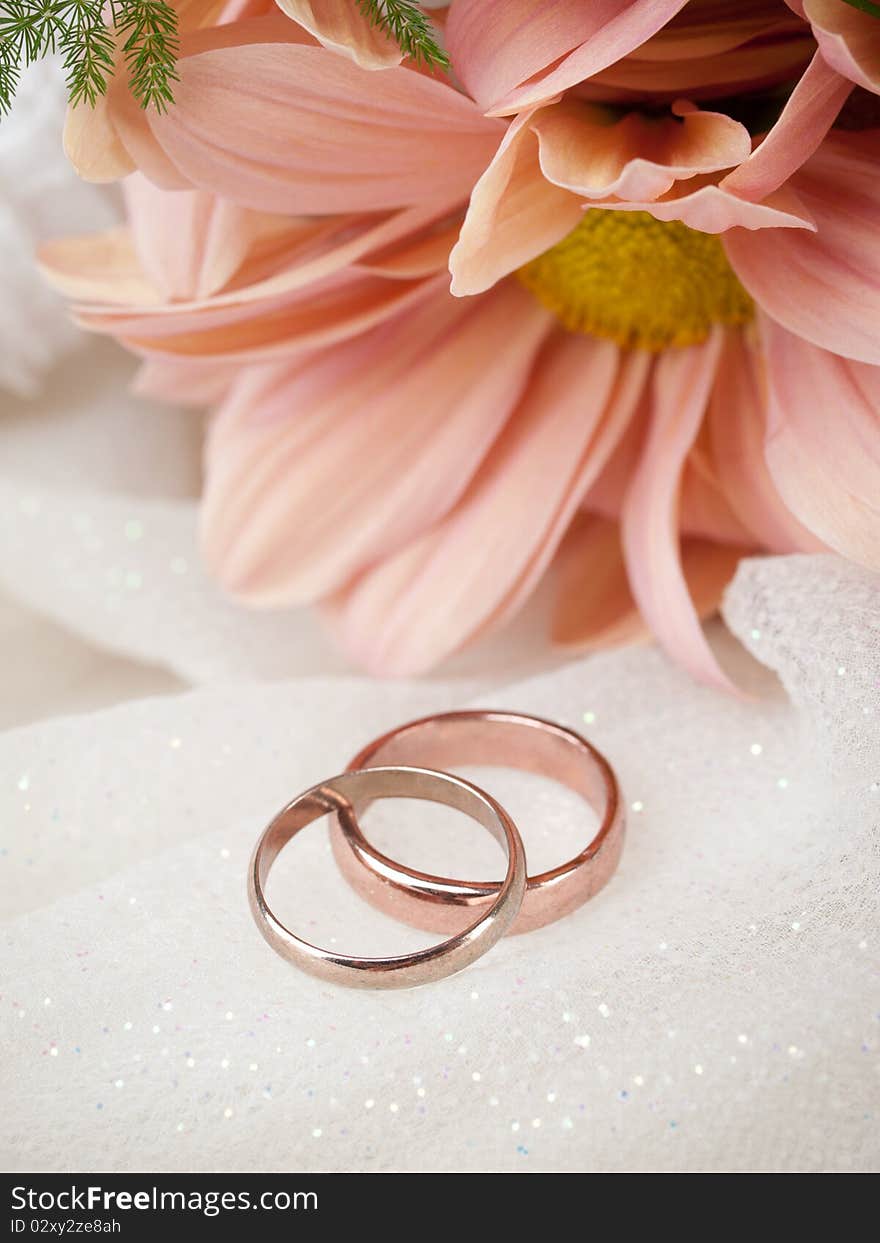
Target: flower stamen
(639, 281)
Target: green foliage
(86, 34)
(90, 34)
(409, 27)
(866, 6)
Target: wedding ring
(339, 795)
(456, 739)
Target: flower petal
(554, 158)
(92, 143)
(595, 606)
(298, 285)
(497, 45)
(96, 267)
(316, 469)
(190, 243)
(683, 381)
(804, 121)
(343, 26)
(823, 446)
(594, 603)
(711, 208)
(320, 136)
(182, 382)
(849, 40)
(736, 432)
(586, 149)
(331, 311)
(475, 568)
(514, 214)
(824, 286)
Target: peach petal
(595, 606)
(849, 40)
(343, 26)
(92, 143)
(703, 508)
(499, 45)
(514, 214)
(757, 66)
(184, 382)
(713, 209)
(823, 444)
(320, 137)
(190, 243)
(584, 149)
(297, 499)
(330, 314)
(306, 253)
(708, 567)
(144, 151)
(683, 381)
(304, 281)
(736, 431)
(804, 121)
(824, 286)
(426, 252)
(96, 267)
(474, 569)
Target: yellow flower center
(640, 281)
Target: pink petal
(553, 158)
(113, 139)
(190, 243)
(683, 381)
(708, 568)
(703, 509)
(295, 260)
(498, 45)
(594, 603)
(476, 567)
(343, 26)
(299, 287)
(514, 214)
(333, 311)
(711, 208)
(321, 135)
(665, 68)
(92, 143)
(97, 266)
(595, 606)
(804, 121)
(420, 254)
(737, 427)
(585, 150)
(849, 40)
(316, 469)
(183, 382)
(824, 286)
(823, 447)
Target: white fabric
(714, 1009)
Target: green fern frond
(85, 33)
(410, 27)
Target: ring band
(339, 795)
(455, 739)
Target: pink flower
(663, 351)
